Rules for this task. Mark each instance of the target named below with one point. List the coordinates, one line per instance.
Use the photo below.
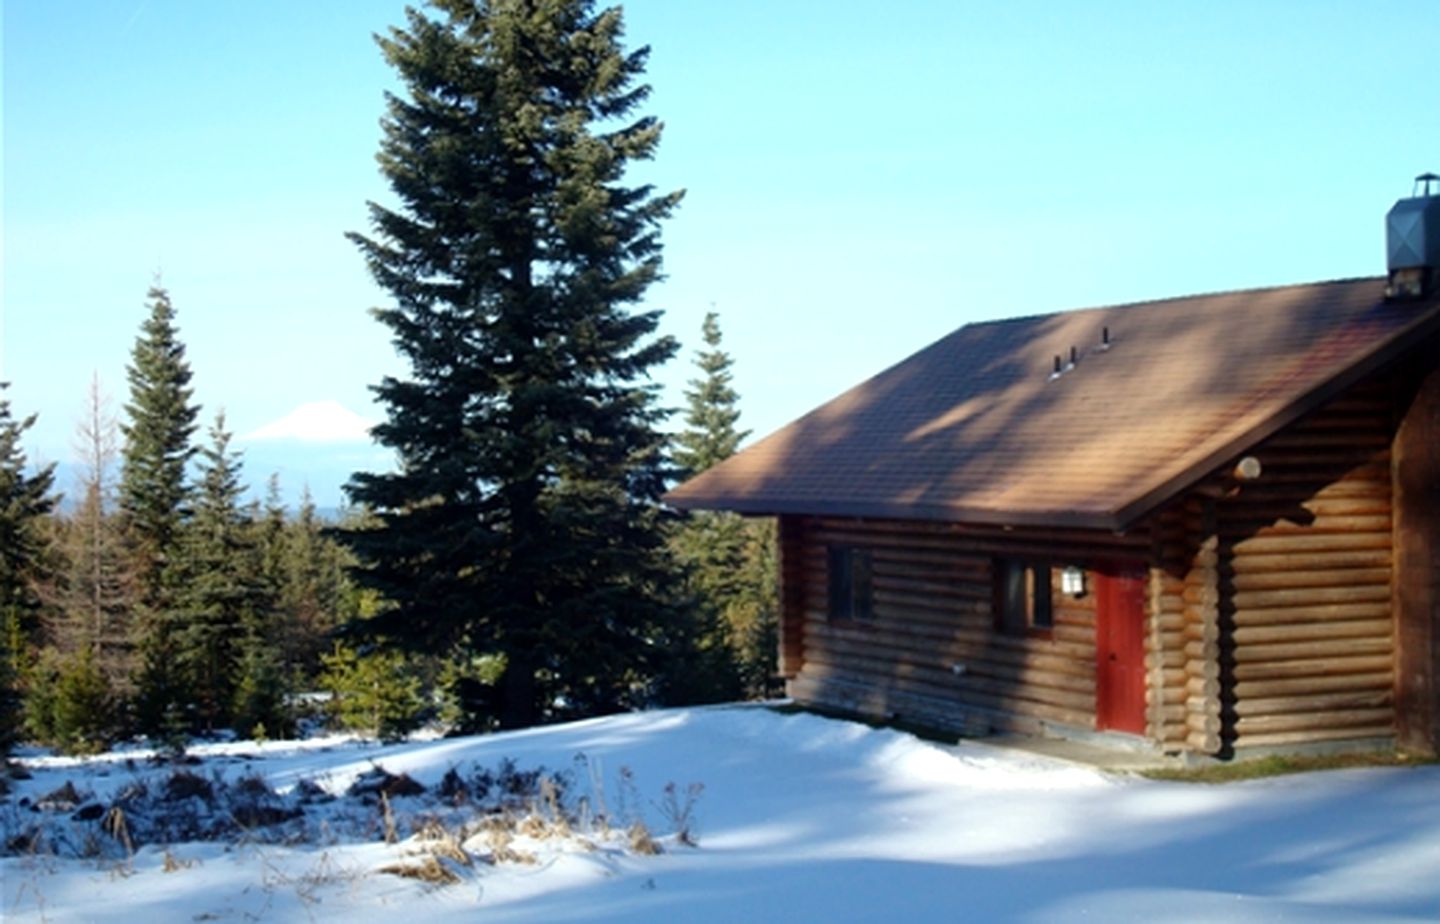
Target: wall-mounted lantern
(1072, 581)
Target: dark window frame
(851, 584)
(1024, 596)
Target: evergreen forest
(516, 565)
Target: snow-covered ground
(800, 819)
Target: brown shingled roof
(973, 429)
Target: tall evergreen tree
(729, 562)
(711, 413)
(25, 499)
(313, 589)
(221, 607)
(523, 519)
(157, 446)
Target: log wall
(932, 653)
(1185, 686)
(1305, 570)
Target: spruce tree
(522, 520)
(25, 500)
(711, 413)
(157, 447)
(729, 563)
(220, 608)
(312, 591)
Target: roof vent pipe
(1412, 240)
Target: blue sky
(861, 178)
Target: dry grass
(641, 841)
(426, 869)
(1282, 764)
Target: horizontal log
(1165, 714)
(1172, 604)
(1326, 702)
(964, 566)
(1203, 742)
(810, 687)
(1298, 651)
(1296, 632)
(928, 633)
(1169, 658)
(1254, 561)
(1201, 687)
(1204, 723)
(916, 582)
(1304, 544)
(1201, 650)
(1313, 721)
(1201, 631)
(957, 645)
(1313, 736)
(1171, 676)
(1170, 737)
(1344, 664)
(1206, 669)
(1045, 688)
(1202, 705)
(1374, 681)
(1165, 696)
(1311, 615)
(1310, 596)
(1056, 674)
(1330, 577)
(906, 600)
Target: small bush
(70, 706)
(375, 694)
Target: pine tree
(220, 607)
(25, 500)
(729, 563)
(157, 447)
(522, 521)
(709, 435)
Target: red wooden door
(1120, 651)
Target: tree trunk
(518, 708)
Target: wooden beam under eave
(1415, 594)
(792, 597)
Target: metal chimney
(1412, 240)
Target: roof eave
(1397, 346)
(978, 516)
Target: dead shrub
(426, 869)
(182, 784)
(641, 842)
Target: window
(851, 588)
(1022, 596)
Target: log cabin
(1206, 526)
